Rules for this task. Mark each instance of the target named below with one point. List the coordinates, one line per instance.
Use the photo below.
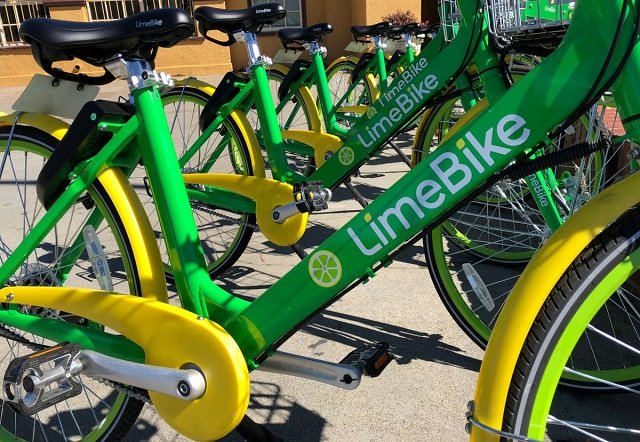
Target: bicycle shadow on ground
(282, 415)
(407, 345)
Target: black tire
(592, 312)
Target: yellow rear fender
(372, 84)
(46, 123)
(196, 84)
(343, 59)
(178, 338)
(135, 221)
(531, 291)
(249, 135)
(360, 109)
(268, 194)
(323, 144)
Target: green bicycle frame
(509, 128)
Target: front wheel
(586, 333)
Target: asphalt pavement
(421, 396)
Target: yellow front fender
(531, 291)
(196, 84)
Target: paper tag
(64, 100)
(393, 46)
(286, 57)
(357, 46)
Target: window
(294, 13)
(105, 10)
(12, 14)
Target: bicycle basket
(524, 18)
(449, 18)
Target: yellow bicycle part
(140, 233)
(249, 135)
(46, 123)
(322, 143)
(176, 339)
(531, 291)
(359, 109)
(196, 84)
(268, 194)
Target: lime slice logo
(371, 112)
(325, 269)
(346, 155)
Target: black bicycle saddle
(310, 33)
(235, 20)
(137, 36)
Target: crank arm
(339, 375)
(187, 384)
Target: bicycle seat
(137, 36)
(311, 33)
(234, 20)
(395, 32)
(417, 29)
(370, 31)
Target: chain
(136, 393)
(204, 208)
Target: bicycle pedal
(370, 359)
(42, 379)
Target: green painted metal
(501, 134)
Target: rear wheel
(100, 412)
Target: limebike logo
(148, 24)
(405, 95)
(453, 171)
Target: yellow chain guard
(171, 337)
(267, 194)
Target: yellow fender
(308, 101)
(268, 194)
(196, 84)
(321, 142)
(532, 290)
(46, 123)
(342, 59)
(176, 339)
(359, 109)
(372, 84)
(140, 233)
(249, 135)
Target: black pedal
(41, 379)
(370, 359)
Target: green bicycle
(44, 302)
